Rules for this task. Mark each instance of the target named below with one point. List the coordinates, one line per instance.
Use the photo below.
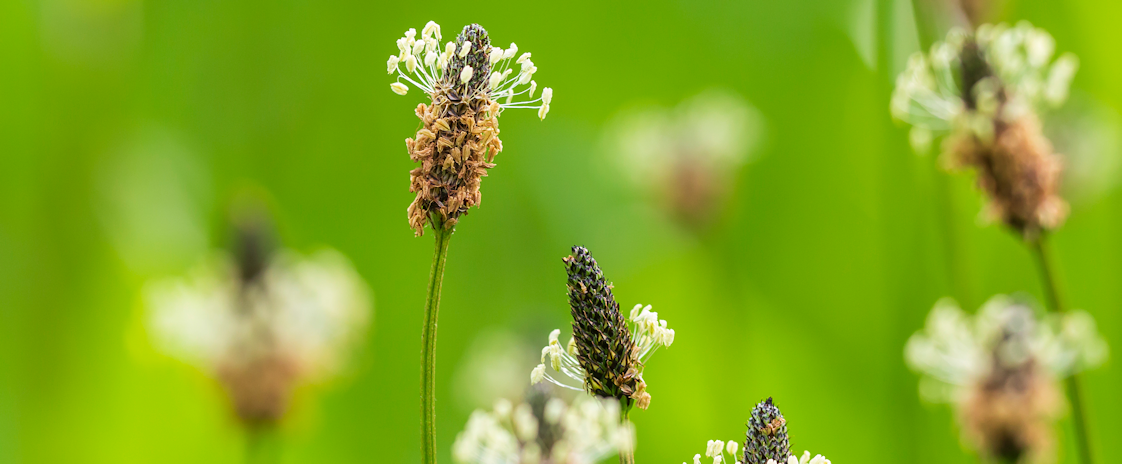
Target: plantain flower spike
(766, 439)
(766, 443)
(1001, 371)
(260, 319)
(716, 450)
(606, 355)
(469, 84)
(986, 91)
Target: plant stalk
(262, 445)
(626, 457)
(1072, 383)
(428, 343)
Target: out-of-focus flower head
(545, 430)
(606, 354)
(261, 320)
(469, 83)
(686, 158)
(1001, 368)
(986, 91)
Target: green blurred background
(836, 242)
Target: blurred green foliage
(835, 245)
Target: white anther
(399, 88)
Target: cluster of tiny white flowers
(424, 64)
(928, 95)
(311, 308)
(955, 349)
(648, 332)
(590, 431)
(716, 450)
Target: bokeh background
(127, 125)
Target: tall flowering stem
(469, 83)
(428, 345)
(1072, 383)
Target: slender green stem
(262, 446)
(1072, 384)
(428, 344)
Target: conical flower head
(767, 435)
(473, 48)
(604, 347)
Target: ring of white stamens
(648, 332)
(425, 63)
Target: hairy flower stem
(428, 342)
(1072, 384)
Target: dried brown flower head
(1015, 163)
(987, 90)
(459, 137)
(1019, 172)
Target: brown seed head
(458, 140)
